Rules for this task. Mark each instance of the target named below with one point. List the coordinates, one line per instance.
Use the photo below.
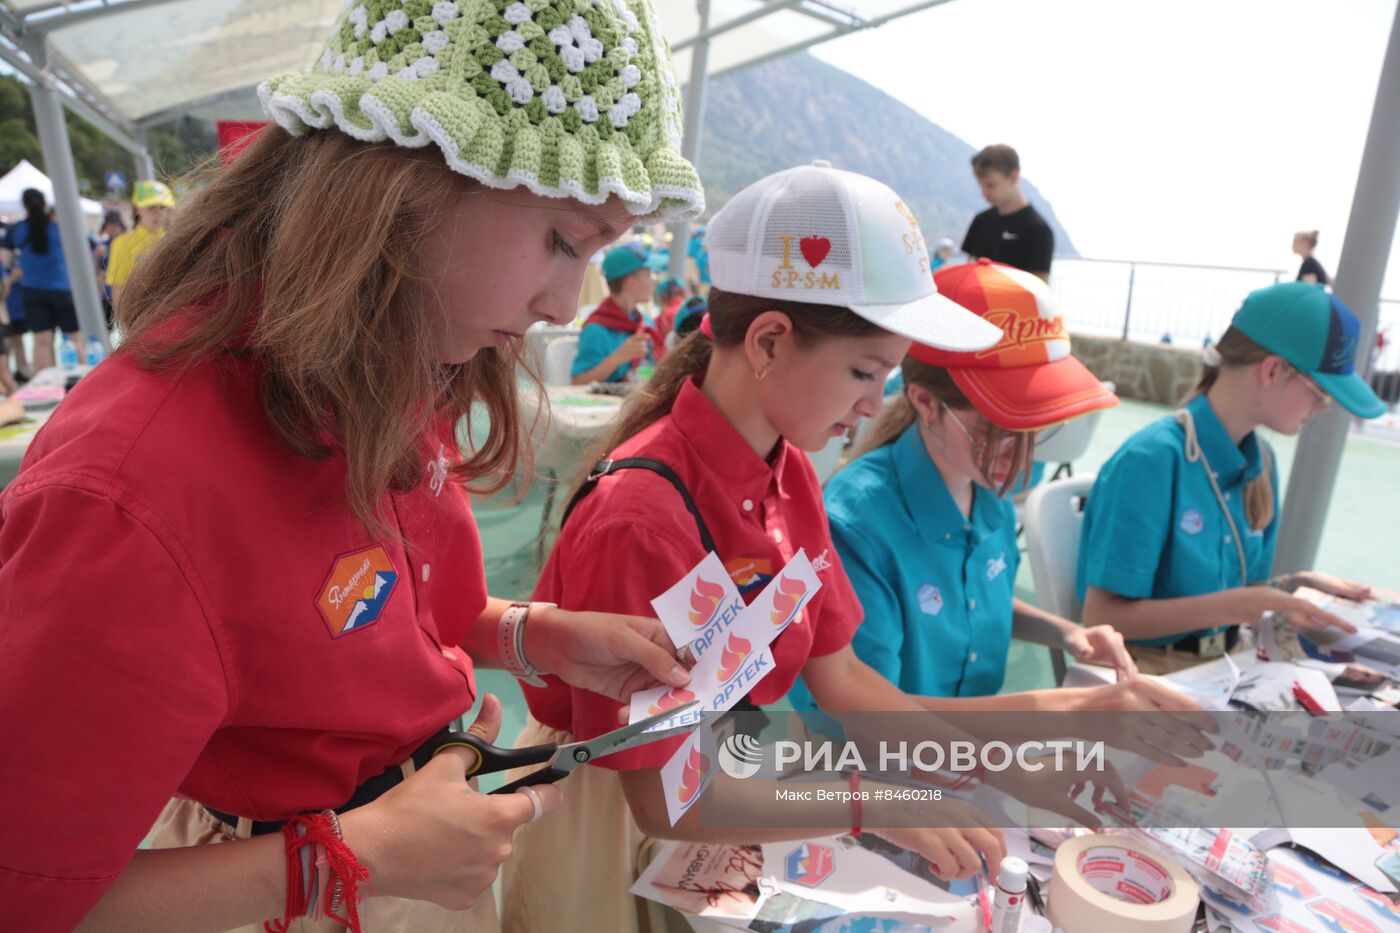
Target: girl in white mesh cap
(821, 278)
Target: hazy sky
(1202, 131)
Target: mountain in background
(795, 109)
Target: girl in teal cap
(1179, 531)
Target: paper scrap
(838, 872)
(701, 603)
(1310, 895)
(688, 773)
(706, 879)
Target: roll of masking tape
(1115, 883)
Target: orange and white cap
(1027, 380)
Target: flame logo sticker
(786, 600)
(676, 696)
(703, 600)
(697, 767)
(736, 651)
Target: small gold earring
(760, 374)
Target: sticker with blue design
(810, 864)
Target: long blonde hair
(304, 253)
(1236, 350)
(899, 414)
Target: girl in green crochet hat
(283, 594)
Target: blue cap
(1307, 326)
(624, 260)
(691, 308)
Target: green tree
(18, 142)
(176, 147)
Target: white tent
(24, 176)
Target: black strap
(604, 467)
(368, 792)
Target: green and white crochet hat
(568, 98)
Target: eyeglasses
(983, 439)
(1321, 400)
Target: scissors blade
(569, 757)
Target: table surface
(578, 414)
(14, 441)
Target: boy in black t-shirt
(1010, 231)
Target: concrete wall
(1149, 372)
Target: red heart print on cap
(814, 249)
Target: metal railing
(1187, 305)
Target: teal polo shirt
(595, 342)
(936, 586)
(1153, 528)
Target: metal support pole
(1365, 250)
(694, 129)
(1128, 308)
(145, 165)
(58, 159)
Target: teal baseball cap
(622, 261)
(1307, 326)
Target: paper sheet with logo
(730, 642)
(785, 887)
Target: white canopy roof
(138, 61)
(25, 175)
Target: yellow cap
(152, 194)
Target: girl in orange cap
(936, 574)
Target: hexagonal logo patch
(356, 590)
(810, 864)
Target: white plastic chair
(1054, 516)
(1066, 443)
(559, 360)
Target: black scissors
(561, 759)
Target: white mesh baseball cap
(826, 236)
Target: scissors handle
(490, 759)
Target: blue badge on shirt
(1192, 522)
(930, 599)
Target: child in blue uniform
(1179, 530)
(616, 337)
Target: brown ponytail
(899, 415)
(731, 316)
(1236, 350)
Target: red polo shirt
(632, 537)
(189, 608)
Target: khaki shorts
(571, 871)
(186, 823)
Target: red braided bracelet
(321, 831)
